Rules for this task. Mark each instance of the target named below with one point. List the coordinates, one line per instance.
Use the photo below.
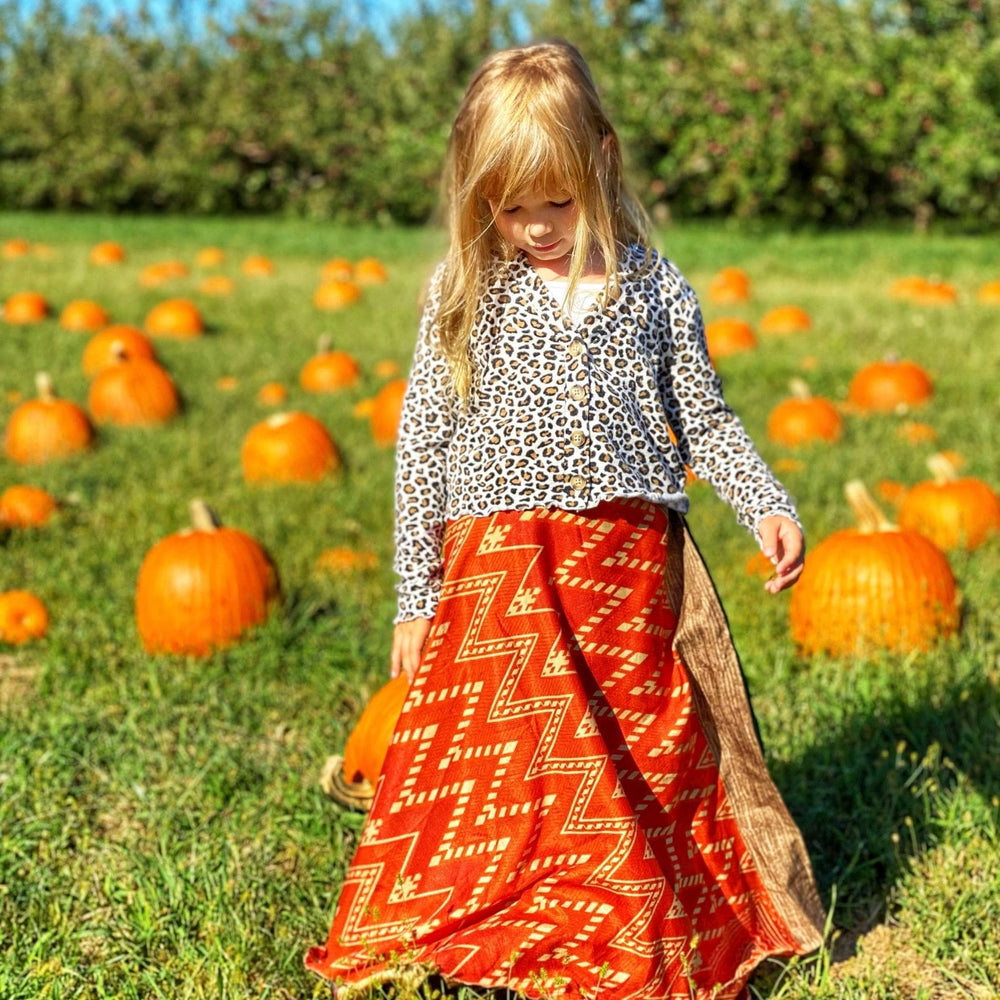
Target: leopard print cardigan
(567, 414)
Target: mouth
(546, 248)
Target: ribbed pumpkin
(106, 252)
(368, 742)
(728, 286)
(335, 294)
(47, 428)
(25, 307)
(83, 315)
(728, 336)
(24, 506)
(785, 319)
(328, 370)
(890, 386)
(134, 392)
(953, 512)
(23, 617)
(203, 587)
(288, 447)
(803, 419)
(387, 407)
(108, 346)
(175, 318)
(875, 586)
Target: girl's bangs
(528, 162)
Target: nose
(539, 227)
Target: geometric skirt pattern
(554, 816)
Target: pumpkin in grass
(257, 266)
(24, 506)
(934, 293)
(23, 617)
(84, 315)
(335, 294)
(989, 293)
(133, 392)
(106, 253)
(210, 257)
(272, 394)
(370, 271)
(47, 428)
(953, 512)
(22, 308)
(15, 247)
(892, 385)
(728, 286)
(803, 419)
(337, 269)
(368, 742)
(154, 275)
(217, 284)
(288, 447)
(387, 408)
(111, 344)
(329, 370)
(179, 318)
(202, 588)
(728, 336)
(874, 586)
(342, 560)
(783, 320)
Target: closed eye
(561, 204)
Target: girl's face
(542, 225)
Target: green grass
(162, 833)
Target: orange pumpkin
(203, 587)
(272, 394)
(889, 386)
(217, 284)
(110, 345)
(783, 320)
(25, 307)
(915, 432)
(257, 266)
(368, 742)
(23, 617)
(328, 370)
(989, 293)
(84, 315)
(336, 295)
(337, 269)
(804, 419)
(906, 288)
(875, 586)
(23, 506)
(386, 368)
(210, 257)
(728, 286)
(288, 447)
(387, 408)
(107, 252)
(175, 318)
(154, 275)
(134, 392)
(729, 336)
(341, 561)
(46, 428)
(15, 247)
(953, 512)
(370, 271)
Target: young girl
(574, 802)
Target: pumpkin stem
(203, 518)
(867, 513)
(942, 468)
(324, 343)
(118, 351)
(891, 357)
(44, 387)
(799, 389)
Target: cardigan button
(577, 439)
(578, 483)
(575, 348)
(578, 392)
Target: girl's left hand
(782, 542)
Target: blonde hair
(531, 119)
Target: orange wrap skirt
(574, 803)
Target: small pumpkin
(106, 253)
(47, 428)
(154, 275)
(729, 286)
(217, 284)
(387, 408)
(84, 315)
(989, 293)
(24, 506)
(875, 586)
(15, 247)
(288, 447)
(916, 432)
(23, 617)
(804, 419)
(892, 385)
(337, 269)
(22, 308)
(332, 295)
(343, 560)
(368, 742)
(210, 257)
(783, 320)
(272, 394)
(386, 368)
(179, 318)
(202, 588)
(111, 344)
(953, 512)
(134, 392)
(728, 336)
(257, 266)
(329, 370)
(370, 271)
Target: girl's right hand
(408, 640)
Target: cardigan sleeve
(425, 429)
(711, 438)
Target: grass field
(162, 832)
